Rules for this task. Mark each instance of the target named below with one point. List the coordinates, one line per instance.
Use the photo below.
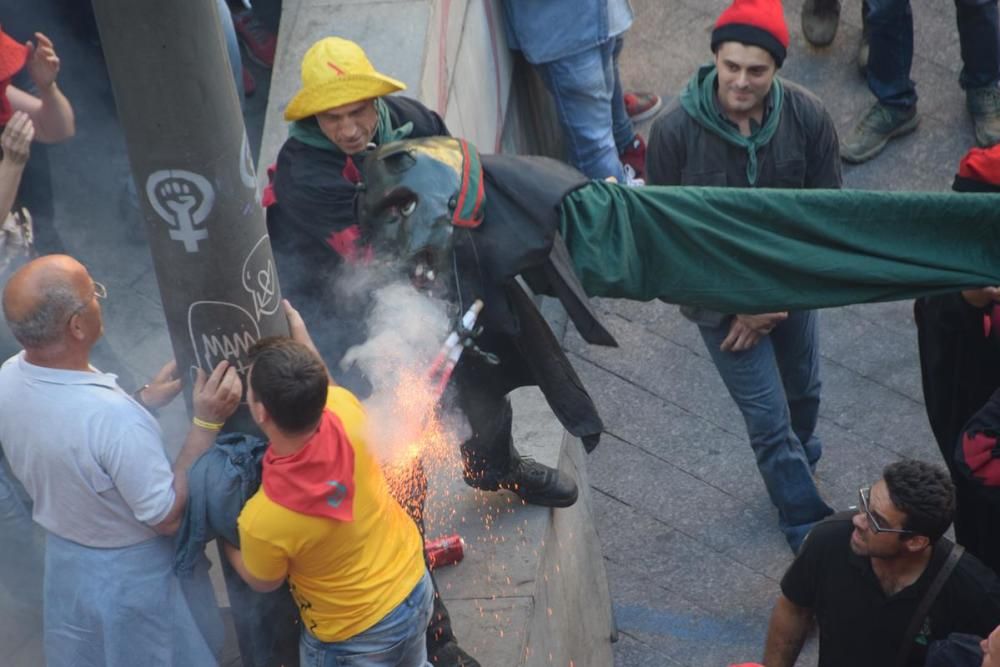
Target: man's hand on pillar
(298, 332)
(217, 396)
(162, 389)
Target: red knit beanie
(981, 164)
(13, 54)
(754, 22)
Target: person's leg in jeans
(22, 547)
(232, 48)
(621, 124)
(754, 382)
(890, 55)
(979, 37)
(796, 349)
(890, 52)
(395, 641)
(581, 86)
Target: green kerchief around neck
(307, 130)
(698, 99)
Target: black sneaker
(539, 484)
(879, 124)
(820, 19)
(984, 105)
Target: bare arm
(298, 332)
(216, 397)
(236, 560)
(16, 144)
(50, 111)
(786, 633)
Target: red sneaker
(635, 156)
(641, 106)
(249, 85)
(258, 40)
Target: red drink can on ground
(444, 551)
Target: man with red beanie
(738, 125)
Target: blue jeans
(587, 92)
(232, 48)
(22, 543)
(890, 55)
(776, 386)
(398, 640)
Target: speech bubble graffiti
(221, 331)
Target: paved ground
(691, 542)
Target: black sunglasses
(864, 494)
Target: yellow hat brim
(337, 92)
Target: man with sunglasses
(862, 576)
(91, 458)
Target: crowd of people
(881, 582)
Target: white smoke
(405, 332)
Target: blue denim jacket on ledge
(220, 483)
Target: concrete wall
(451, 54)
(532, 589)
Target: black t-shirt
(859, 625)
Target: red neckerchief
(318, 480)
(6, 110)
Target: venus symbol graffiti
(183, 199)
(221, 331)
(260, 279)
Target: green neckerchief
(698, 99)
(307, 130)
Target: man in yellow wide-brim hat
(343, 106)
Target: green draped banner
(740, 250)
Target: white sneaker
(631, 180)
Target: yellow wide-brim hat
(336, 72)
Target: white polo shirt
(90, 456)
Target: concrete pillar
(194, 174)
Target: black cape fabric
(960, 370)
(518, 237)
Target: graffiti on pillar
(247, 172)
(183, 199)
(260, 280)
(221, 331)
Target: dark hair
(291, 382)
(924, 493)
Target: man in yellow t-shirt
(323, 518)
